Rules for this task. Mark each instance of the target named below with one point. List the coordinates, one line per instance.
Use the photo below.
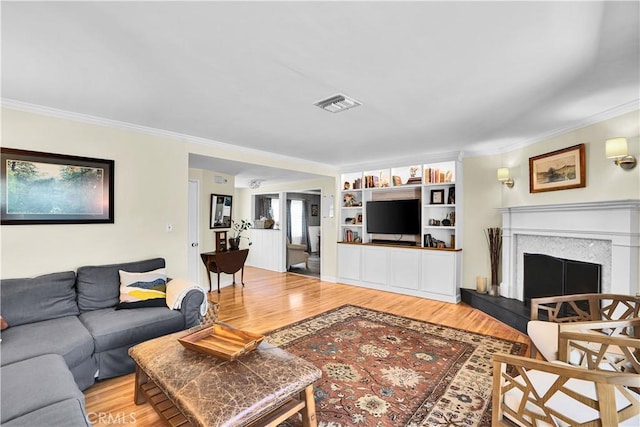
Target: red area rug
(385, 370)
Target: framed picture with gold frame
(558, 170)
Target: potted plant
(237, 228)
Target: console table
(229, 262)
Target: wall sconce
(617, 150)
(503, 177)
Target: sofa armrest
(191, 308)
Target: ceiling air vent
(337, 103)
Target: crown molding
(115, 124)
(579, 124)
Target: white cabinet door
(374, 261)
(404, 271)
(349, 261)
(439, 272)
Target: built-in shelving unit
(433, 183)
(426, 264)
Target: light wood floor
(271, 300)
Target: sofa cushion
(65, 336)
(113, 328)
(68, 413)
(99, 286)
(35, 383)
(147, 289)
(40, 298)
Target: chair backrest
(533, 392)
(585, 307)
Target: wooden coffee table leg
(141, 378)
(309, 411)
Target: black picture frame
(437, 197)
(49, 188)
(220, 211)
(314, 210)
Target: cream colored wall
(328, 226)
(151, 190)
(483, 195)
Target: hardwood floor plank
(271, 300)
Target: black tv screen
(394, 217)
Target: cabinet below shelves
(421, 272)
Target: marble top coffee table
(263, 387)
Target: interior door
(194, 231)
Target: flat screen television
(393, 216)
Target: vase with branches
(494, 239)
(237, 228)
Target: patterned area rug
(385, 370)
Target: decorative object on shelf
(451, 197)
(446, 222)
(413, 170)
(503, 177)
(428, 241)
(437, 197)
(238, 228)
(220, 211)
(494, 239)
(47, 188)
(481, 285)
(558, 170)
(346, 185)
(221, 241)
(452, 240)
(359, 219)
(397, 180)
(349, 200)
(617, 150)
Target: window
(296, 221)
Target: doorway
(303, 232)
(194, 231)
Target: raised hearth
(507, 310)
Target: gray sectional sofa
(65, 332)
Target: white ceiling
(433, 77)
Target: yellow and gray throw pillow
(143, 289)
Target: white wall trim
(115, 124)
(579, 124)
(616, 222)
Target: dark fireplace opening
(546, 276)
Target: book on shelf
(371, 181)
(351, 236)
(436, 175)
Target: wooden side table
(229, 262)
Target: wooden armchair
(611, 345)
(549, 312)
(532, 392)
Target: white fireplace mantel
(614, 224)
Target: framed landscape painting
(558, 170)
(47, 188)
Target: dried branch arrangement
(494, 238)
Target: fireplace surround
(606, 233)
